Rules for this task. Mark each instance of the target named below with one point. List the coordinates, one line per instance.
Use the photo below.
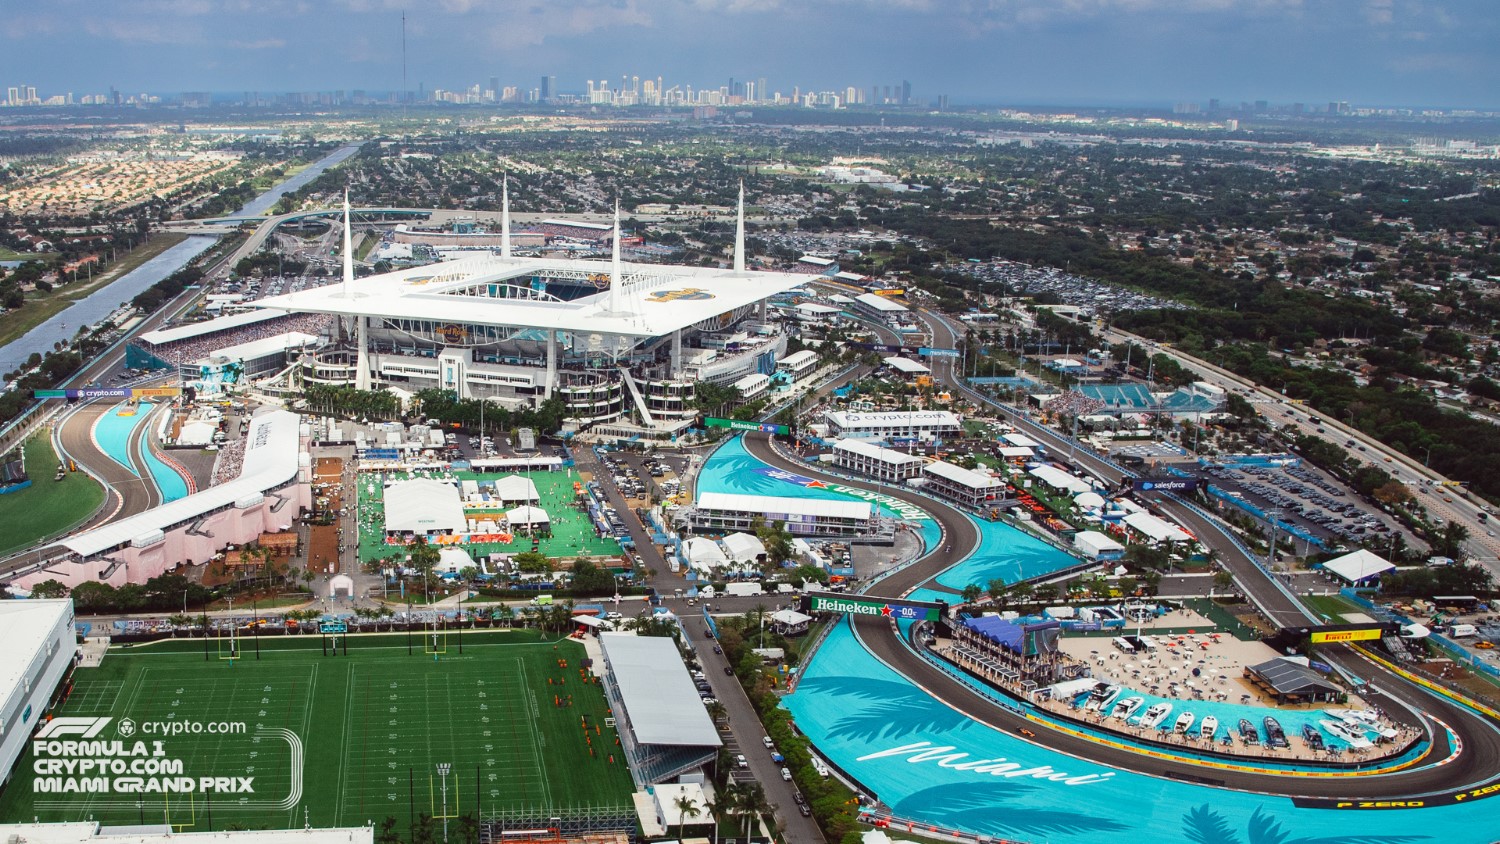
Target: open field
(46, 507)
(348, 738)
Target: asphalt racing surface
(1477, 765)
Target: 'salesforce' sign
(852, 606)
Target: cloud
(543, 22)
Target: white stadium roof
(25, 627)
(658, 695)
(271, 452)
(825, 508)
(211, 326)
(262, 347)
(865, 448)
(880, 303)
(655, 299)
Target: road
(1477, 765)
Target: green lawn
(349, 738)
(47, 507)
(1330, 607)
(572, 534)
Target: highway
(1483, 545)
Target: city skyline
(1104, 52)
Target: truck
(743, 590)
(1462, 631)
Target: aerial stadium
(620, 344)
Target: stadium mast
(505, 216)
(348, 250)
(739, 233)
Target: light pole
(443, 768)
(1426, 455)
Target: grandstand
(1117, 399)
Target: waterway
(102, 302)
(261, 204)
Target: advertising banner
(1164, 484)
(109, 393)
(739, 425)
(1320, 637)
(866, 606)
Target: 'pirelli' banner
(1321, 637)
(1426, 801)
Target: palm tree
(685, 806)
(753, 803)
(713, 811)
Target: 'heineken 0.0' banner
(738, 425)
(913, 610)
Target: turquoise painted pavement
(113, 432)
(171, 484)
(933, 765)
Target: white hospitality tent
(527, 516)
(422, 506)
(1089, 500)
(516, 488)
(1359, 567)
(742, 547)
(1058, 479)
(703, 554)
(453, 561)
(1155, 529)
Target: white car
(767, 742)
(786, 774)
(741, 762)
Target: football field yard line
(536, 750)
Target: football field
(211, 742)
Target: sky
(1066, 52)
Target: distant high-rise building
(1213, 104)
(887, 97)
(1261, 106)
(13, 96)
(905, 92)
(549, 88)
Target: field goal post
(192, 812)
(435, 638)
(229, 643)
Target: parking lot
(1306, 498)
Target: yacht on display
(1208, 727)
(1275, 736)
(1311, 737)
(1248, 734)
(1347, 733)
(1156, 714)
(1127, 707)
(1352, 715)
(1100, 697)
(1184, 722)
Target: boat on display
(1248, 734)
(1275, 736)
(1127, 707)
(1100, 697)
(1184, 722)
(1208, 727)
(1311, 737)
(1348, 734)
(1156, 714)
(1368, 716)
(1110, 695)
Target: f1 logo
(73, 726)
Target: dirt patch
(323, 540)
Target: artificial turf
(572, 533)
(371, 726)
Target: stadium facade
(621, 345)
